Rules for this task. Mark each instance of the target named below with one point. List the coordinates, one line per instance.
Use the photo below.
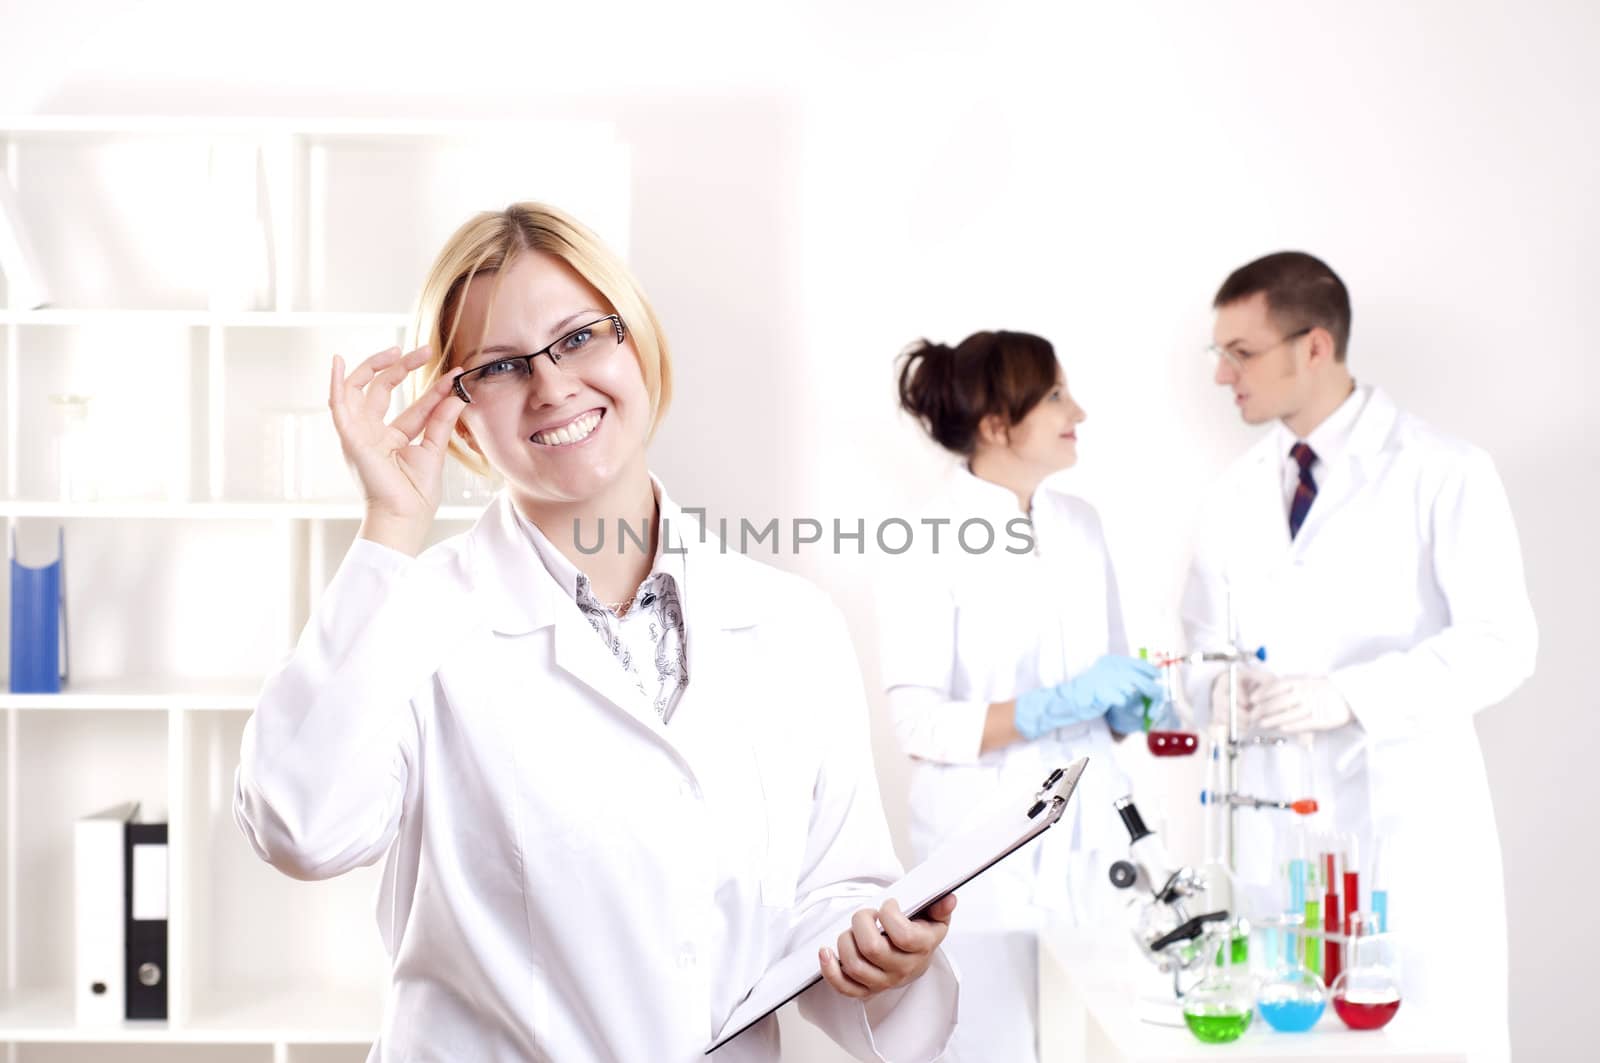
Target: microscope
(1169, 930)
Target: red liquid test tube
(1332, 954)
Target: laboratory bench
(1088, 1011)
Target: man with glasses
(1377, 561)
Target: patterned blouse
(648, 640)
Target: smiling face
(1046, 439)
(573, 432)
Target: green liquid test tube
(1313, 945)
(1144, 655)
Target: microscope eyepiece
(1131, 819)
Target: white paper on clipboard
(955, 863)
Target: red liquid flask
(1367, 994)
(1360, 1015)
(1171, 743)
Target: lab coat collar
(1330, 439)
(1365, 440)
(1346, 471)
(976, 496)
(1373, 429)
(518, 594)
(668, 558)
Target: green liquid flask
(1218, 1010)
(1217, 1029)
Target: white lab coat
(960, 630)
(1405, 586)
(566, 877)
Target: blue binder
(38, 623)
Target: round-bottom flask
(1366, 995)
(1292, 1000)
(1220, 1008)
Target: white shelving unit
(201, 275)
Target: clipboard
(958, 861)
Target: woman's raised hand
(400, 464)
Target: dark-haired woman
(1003, 655)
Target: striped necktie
(1305, 492)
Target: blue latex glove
(1128, 718)
(1110, 683)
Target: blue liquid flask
(1293, 1000)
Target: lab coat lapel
(583, 654)
(1343, 482)
(716, 607)
(520, 596)
(1262, 511)
(515, 591)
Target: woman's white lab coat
(1405, 586)
(566, 877)
(961, 628)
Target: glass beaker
(1219, 1009)
(1292, 1000)
(70, 452)
(1366, 994)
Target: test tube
(1313, 953)
(1330, 918)
(1352, 879)
(1296, 908)
(1297, 891)
(1144, 655)
(1375, 886)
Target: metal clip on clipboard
(958, 861)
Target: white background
(814, 187)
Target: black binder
(144, 878)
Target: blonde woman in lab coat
(1378, 562)
(1003, 655)
(612, 786)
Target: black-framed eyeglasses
(504, 375)
(1237, 359)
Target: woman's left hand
(870, 960)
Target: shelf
(42, 1015)
(219, 522)
(301, 1016)
(266, 1017)
(209, 510)
(452, 129)
(208, 318)
(142, 693)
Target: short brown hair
(1302, 292)
(950, 390)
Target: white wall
(1096, 183)
(812, 190)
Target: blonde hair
(489, 243)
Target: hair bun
(949, 390)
